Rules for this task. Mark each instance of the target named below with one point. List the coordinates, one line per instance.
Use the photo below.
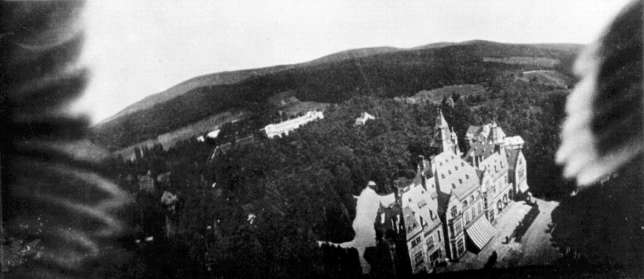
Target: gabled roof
(487, 132)
(363, 118)
(495, 165)
(454, 175)
(417, 201)
(479, 149)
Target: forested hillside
(381, 73)
(299, 189)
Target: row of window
(415, 242)
(460, 180)
(473, 212)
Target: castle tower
(445, 136)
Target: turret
(446, 136)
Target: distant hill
(354, 53)
(382, 71)
(188, 85)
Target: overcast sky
(137, 48)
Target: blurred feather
(52, 189)
(603, 128)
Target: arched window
(454, 211)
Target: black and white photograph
(162, 139)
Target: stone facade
(451, 204)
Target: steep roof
(487, 132)
(440, 120)
(479, 149)
(418, 201)
(495, 165)
(454, 175)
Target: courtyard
(534, 247)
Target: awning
(481, 232)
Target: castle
(452, 203)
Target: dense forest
(395, 73)
(257, 210)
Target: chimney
(420, 165)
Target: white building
(363, 118)
(285, 127)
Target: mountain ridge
(332, 78)
(234, 76)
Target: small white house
(364, 117)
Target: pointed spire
(440, 120)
